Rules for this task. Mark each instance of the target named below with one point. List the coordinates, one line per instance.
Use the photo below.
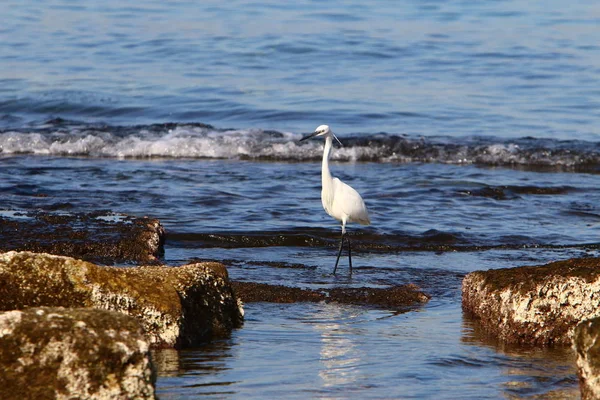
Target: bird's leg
(349, 254)
(339, 253)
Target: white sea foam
(17, 142)
(195, 141)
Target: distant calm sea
(472, 130)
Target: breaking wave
(65, 138)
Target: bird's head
(322, 130)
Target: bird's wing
(346, 199)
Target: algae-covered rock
(586, 342)
(177, 306)
(391, 297)
(537, 304)
(98, 237)
(48, 353)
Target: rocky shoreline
(99, 237)
(176, 306)
(553, 304)
(537, 305)
(75, 353)
(74, 326)
(60, 296)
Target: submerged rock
(534, 305)
(73, 354)
(586, 342)
(177, 306)
(392, 297)
(396, 296)
(96, 237)
(514, 192)
(251, 292)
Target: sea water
(470, 129)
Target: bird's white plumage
(339, 200)
(348, 204)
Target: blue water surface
(511, 88)
(503, 68)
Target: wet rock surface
(176, 306)
(515, 192)
(78, 353)
(393, 297)
(586, 344)
(538, 305)
(97, 237)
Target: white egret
(339, 200)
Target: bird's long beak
(338, 140)
(309, 136)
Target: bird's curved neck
(326, 175)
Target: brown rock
(534, 305)
(48, 353)
(177, 306)
(586, 342)
(98, 237)
(250, 292)
(396, 296)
